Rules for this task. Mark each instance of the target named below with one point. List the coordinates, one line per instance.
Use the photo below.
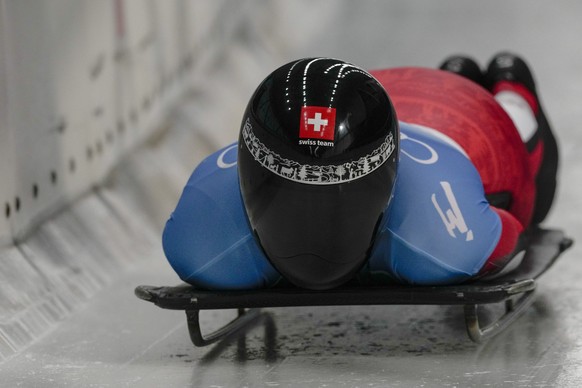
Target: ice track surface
(109, 338)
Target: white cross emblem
(317, 122)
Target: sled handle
(513, 310)
(244, 318)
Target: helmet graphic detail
(317, 158)
(316, 174)
(317, 122)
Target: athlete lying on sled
(332, 179)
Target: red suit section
(468, 114)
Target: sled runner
(515, 289)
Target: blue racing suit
(439, 228)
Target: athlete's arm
(439, 229)
(207, 239)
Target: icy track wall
(84, 85)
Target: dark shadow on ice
(240, 337)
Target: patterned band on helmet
(313, 174)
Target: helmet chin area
(314, 272)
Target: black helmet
(318, 151)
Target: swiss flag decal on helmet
(317, 122)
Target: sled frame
(516, 290)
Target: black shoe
(509, 67)
(463, 66)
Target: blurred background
(106, 106)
